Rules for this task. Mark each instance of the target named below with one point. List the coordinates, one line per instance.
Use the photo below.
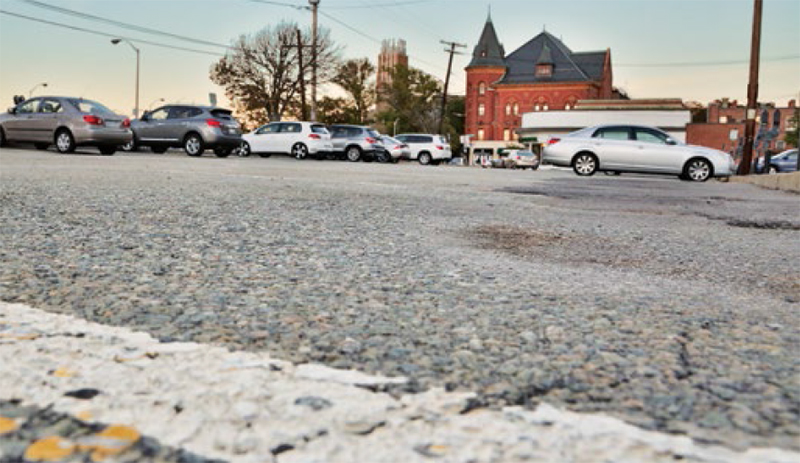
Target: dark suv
(194, 128)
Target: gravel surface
(669, 304)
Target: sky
(695, 50)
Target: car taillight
(314, 136)
(398, 147)
(126, 123)
(371, 140)
(553, 141)
(93, 120)
(213, 123)
(439, 147)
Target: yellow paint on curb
(84, 415)
(111, 441)
(51, 448)
(63, 373)
(7, 425)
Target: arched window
(508, 109)
(537, 107)
(481, 109)
(481, 88)
(516, 109)
(764, 117)
(776, 119)
(481, 134)
(507, 135)
(545, 107)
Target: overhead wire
(121, 24)
(104, 34)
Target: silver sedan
(66, 123)
(633, 148)
(395, 148)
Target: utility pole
(303, 112)
(314, 6)
(452, 52)
(752, 92)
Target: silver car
(194, 128)
(634, 148)
(394, 148)
(66, 123)
(355, 142)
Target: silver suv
(355, 142)
(195, 128)
(427, 149)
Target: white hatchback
(427, 149)
(633, 148)
(298, 139)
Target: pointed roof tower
(545, 57)
(489, 51)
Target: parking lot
(672, 305)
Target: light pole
(314, 4)
(43, 84)
(116, 41)
(394, 132)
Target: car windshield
(319, 128)
(525, 154)
(222, 114)
(373, 134)
(390, 140)
(90, 107)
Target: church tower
(487, 67)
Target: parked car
(522, 159)
(427, 149)
(194, 128)
(782, 162)
(298, 139)
(355, 142)
(633, 148)
(65, 122)
(395, 149)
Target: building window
(480, 134)
(481, 88)
(508, 109)
(567, 107)
(516, 109)
(723, 119)
(545, 107)
(481, 109)
(776, 119)
(537, 108)
(507, 135)
(544, 70)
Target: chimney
(792, 103)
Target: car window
(390, 140)
(373, 133)
(441, 140)
(650, 136)
(422, 139)
(50, 106)
(353, 132)
(525, 154)
(159, 114)
(30, 106)
(180, 112)
(613, 133)
(319, 128)
(89, 107)
(269, 128)
(402, 138)
(221, 114)
(291, 127)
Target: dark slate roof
(545, 57)
(567, 66)
(489, 51)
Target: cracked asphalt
(672, 305)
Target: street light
(43, 84)
(153, 102)
(116, 41)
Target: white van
(427, 149)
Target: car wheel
(193, 145)
(41, 146)
(773, 170)
(697, 170)
(265, 155)
(222, 152)
(65, 142)
(585, 164)
(299, 151)
(131, 146)
(244, 149)
(424, 158)
(384, 157)
(107, 150)
(158, 149)
(353, 154)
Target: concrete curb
(784, 182)
(244, 406)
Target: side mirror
(12, 110)
(670, 141)
(145, 116)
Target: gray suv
(355, 143)
(195, 128)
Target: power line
(112, 22)
(89, 31)
(708, 63)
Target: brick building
(393, 52)
(724, 127)
(541, 75)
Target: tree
(354, 76)
(793, 128)
(413, 99)
(335, 111)
(262, 71)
